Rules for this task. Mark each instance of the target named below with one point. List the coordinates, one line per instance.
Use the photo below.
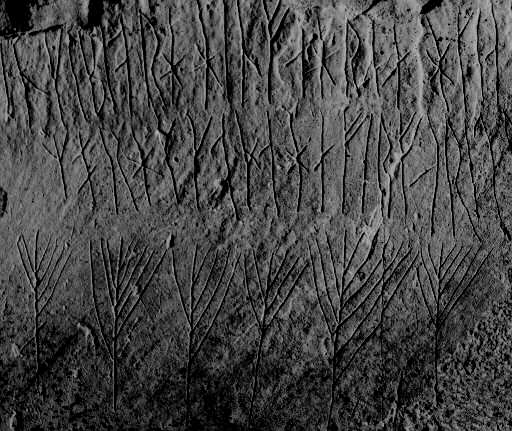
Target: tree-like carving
(268, 294)
(444, 280)
(201, 298)
(125, 280)
(353, 292)
(43, 268)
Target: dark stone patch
(3, 202)
(19, 13)
(95, 13)
(34, 16)
(97, 9)
(430, 5)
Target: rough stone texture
(255, 214)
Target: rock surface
(255, 214)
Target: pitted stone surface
(253, 214)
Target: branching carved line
(478, 55)
(374, 64)
(8, 93)
(72, 44)
(398, 62)
(395, 157)
(396, 70)
(92, 77)
(496, 59)
(145, 66)
(27, 84)
(322, 168)
(55, 68)
(89, 170)
(126, 62)
(404, 152)
(123, 174)
(460, 33)
(297, 163)
(349, 133)
(206, 57)
(246, 57)
(58, 155)
(366, 165)
(228, 85)
(227, 182)
(490, 141)
(108, 72)
(112, 171)
(273, 167)
(250, 159)
(380, 169)
(273, 24)
(143, 165)
(167, 146)
(457, 175)
(436, 180)
(438, 64)
(442, 74)
(196, 148)
(172, 63)
(351, 60)
(448, 177)
(323, 56)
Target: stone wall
(246, 214)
